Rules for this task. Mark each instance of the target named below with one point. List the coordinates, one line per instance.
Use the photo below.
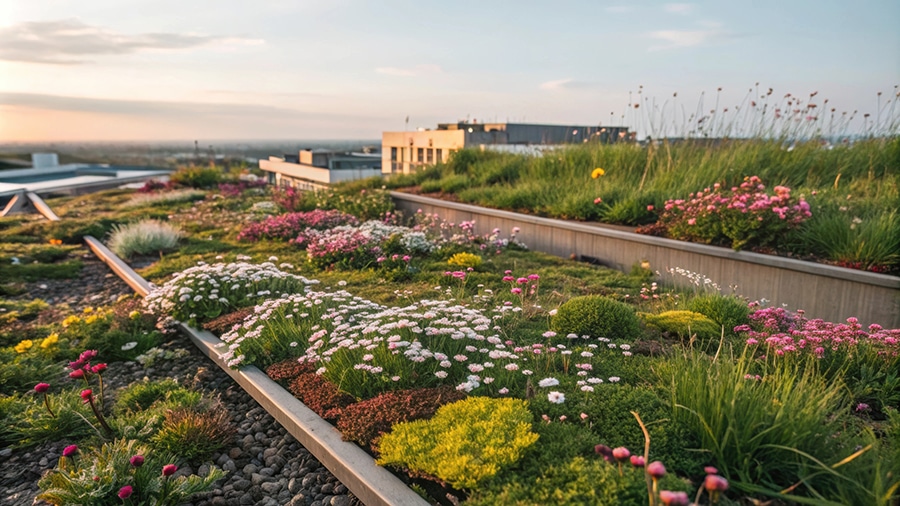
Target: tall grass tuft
(143, 238)
(166, 198)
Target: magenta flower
(86, 395)
(169, 469)
(125, 492)
(605, 451)
(42, 388)
(637, 461)
(137, 460)
(70, 450)
(99, 368)
(77, 374)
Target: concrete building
(313, 169)
(404, 152)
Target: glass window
(430, 156)
(439, 153)
(393, 154)
(420, 155)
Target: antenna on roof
(407, 123)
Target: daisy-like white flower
(129, 346)
(556, 397)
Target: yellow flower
(24, 346)
(597, 173)
(134, 315)
(70, 320)
(50, 340)
(88, 310)
(56, 242)
(91, 319)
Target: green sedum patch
(597, 316)
(465, 443)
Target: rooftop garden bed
(503, 376)
(808, 200)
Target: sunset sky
(83, 70)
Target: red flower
(87, 394)
(137, 460)
(77, 374)
(169, 469)
(125, 492)
(70, 450)
(99, 368)
(41, 387)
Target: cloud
(678, 8)
(568, 84)
(153, 108)
(418, 70)
(673, 39)
(69, 41)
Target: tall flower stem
(100, 418)
(47, 403)
(651, 487)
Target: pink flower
(692, 221)
(669, 498)
(656, 469)
(714, 482)
(598, 200)
(169, 469)
(621, 453)
(637, 461)
(584, 416)
(42, 388)
(605, 451)
(516, 291)
(99, 368)
(137, 460)
(711, 469)
(125, 492)
(86, 395)
(70, 450)
(650, 207)
(77, 374)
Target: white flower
(503, 391)
(549, 334)
(129, 346)
(556, 397)
(511, 367)
(526, 372)
(441, 374)
(548, 382)
(587, 388)
(614, 379)
(552, 312)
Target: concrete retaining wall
(823, 291)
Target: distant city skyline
(153, 70)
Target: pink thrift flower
(125, 492)
(169, 469)
(656, 469)
(42, 388)
(137, 460)
(637, 461)
(70, 450)
(621, 453)
(86, 395)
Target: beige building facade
(405, 152)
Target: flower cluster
(293, 226)
(364, 245)
(366, 348)
(235, 189)
(744, 216)
(206, 291)
(785, 333)
(463, 233)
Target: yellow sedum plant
(465, 260)
(464, 443)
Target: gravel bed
(265, 465)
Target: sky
(107, 70)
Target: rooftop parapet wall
(823, 291)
